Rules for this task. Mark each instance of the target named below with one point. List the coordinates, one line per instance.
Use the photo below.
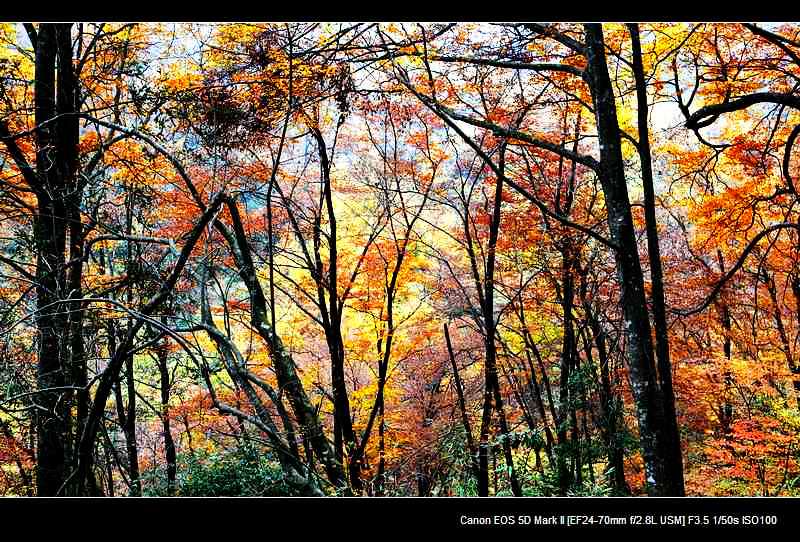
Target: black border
(367, 518)
(399, 11)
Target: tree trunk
(674, 459)
(56, 163)
(169, 443)
(654, 434)
(462, 405)
(492, 381)
(726, 409)
(566, 409)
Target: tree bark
(492, 382)
(654, 433)
(56, 164)
(674, 459)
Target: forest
(399, 259)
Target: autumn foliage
(399, 259)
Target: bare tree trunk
(726, 409)
(492, 381)
(169, 443)
(674, 459)
(654, 428)
(566, 409)
(56, 164)
(462, 406)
